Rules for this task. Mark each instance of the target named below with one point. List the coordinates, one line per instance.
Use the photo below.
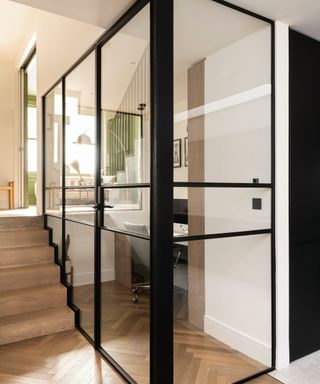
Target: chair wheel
(135, 300)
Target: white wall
(238, 284)
(8, 94)
(81, 252)
(181, 128)
(238, 149)
(60, 43)
(282, 194)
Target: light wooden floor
(199, 358)
(63, 358)
(265, 380)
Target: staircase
(32, 300)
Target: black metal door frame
(161, 189)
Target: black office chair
(141, 258)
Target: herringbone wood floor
(63, 358)
(199, 358)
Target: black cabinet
(304, 82)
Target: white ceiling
(102, 13)
(120, 58)
(15, 22)
(301, 15)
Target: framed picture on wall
(186, 149)
(177, 153)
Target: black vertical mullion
(161, 220)
(98, 204)
(273, 204)
(63, 181)
(43, 102)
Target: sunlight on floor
(31, 211)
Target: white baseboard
(88, 277)
(238, 340)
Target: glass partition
(79, 252)
(222, 94)
(53, 201)
(205, 211)
(125, 285)
(100, 198)
(80, 131)
(222, 160)
(125, 102)
(53, 137)
(126, 207)
(80, 203)
(222, 309)
(125, 162)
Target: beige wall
(8, 85)
(60, 42)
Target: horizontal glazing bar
(222, 235)
(79, 187)
(51, 215)
(187, 184)
(127, 233)
(87, 223)
(125, 186)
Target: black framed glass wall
(223, 196)
(141, 242)
(125, 177)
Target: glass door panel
(125, 169)
(222, 160)
(79, 248)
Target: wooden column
(122, 260)
(196, 222)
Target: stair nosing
(35, 266)
(13, 292)
(26, 246)
(25, 316)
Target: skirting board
(88, 277)
(238, 340)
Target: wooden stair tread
(36, 315)
(21, 223)
(29, 276)
(21, 301)
(26, 255)
(27, 237)
(26, 247)
(33, 302)
(17, 292)
(27, 268)
(34, 324)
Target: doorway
(28, 158)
